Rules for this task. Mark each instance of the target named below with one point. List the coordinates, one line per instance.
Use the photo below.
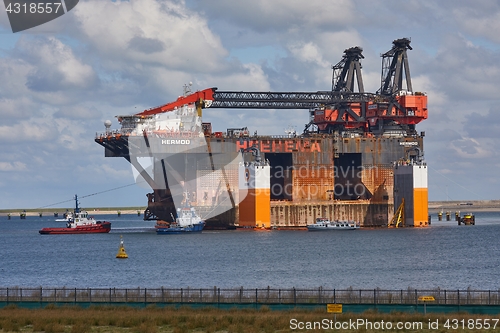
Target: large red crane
(344, 108)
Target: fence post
(489, 297)
(218, 297)
(21, 291)
(375, 296)
(458, 297)
(401, 297)
(334, 297)
(445, 296)
(55, 295)
(8, 296)
(182, 295)
(294, 296)
(241, 294)
(90, 295)
(416, 297)
(145, 295)
(162, 295)
(41, 294)
(279, 296)
(256, 296)
(75, 295)
(109, 295)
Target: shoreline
(464, 209)
(96, 211)
(434, 207)
(464, 206)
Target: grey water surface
(444, 255)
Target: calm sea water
(445, 255)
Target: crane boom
(284, 100)
(196, 97)
(211, 98)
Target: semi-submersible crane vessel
(341, 167)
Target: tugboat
(79, 223)
(323, 224)
(186, 222)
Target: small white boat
(188, 221)
(323, 224)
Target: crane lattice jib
(347, 71)
(211, 98)
(395, 68)
(284, 100)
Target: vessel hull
(312, 228)
(103, 227)
(330, 175)
(196, 228)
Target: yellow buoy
(121, 251)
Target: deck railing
(245, 296)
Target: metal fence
(246, 296)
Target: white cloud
(149, 32)
(106, 171)
(12, 166)
(307, 52)
(16, 108)
(281, 15)
(464, 71)
(469, 148)
(78, 112)
(28, 131)
(55, 66)
(482, 19)
(249, 77)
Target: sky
(63, 79)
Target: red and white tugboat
(79, 223)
